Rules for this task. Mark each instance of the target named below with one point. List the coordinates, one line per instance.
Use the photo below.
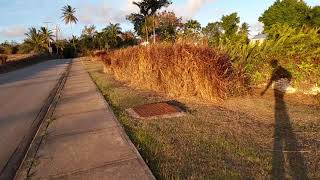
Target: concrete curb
(123, 133)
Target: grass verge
(15, 62)
(228, 140)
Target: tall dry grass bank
(182, 70)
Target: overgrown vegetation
(229, 140)
(298, 50)
(177, 69)
(296, 47)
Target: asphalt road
(22, 95)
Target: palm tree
(68, 15)
(35, 40)
(89, 31)
(60, 45)
(47, 35)
(88, 37)
(147, 27)
(244, 29)
(112, 33)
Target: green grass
(230, 140)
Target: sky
(18, 15)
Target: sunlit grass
(210, 142)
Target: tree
(244, 33)
(192, 25)
(128, 39)
(88, 36)
(190, 31)
(68, 15)
(244, 29)
(47, 35)
(147, 28)
(89, 31)
(35, 40)
(147, 8)
(168, 25)
(314, 16)
(111, 35)
(229, 24)
(213, 31)
(60, 45)
(9, 47)
(291, 12)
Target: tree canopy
(291, 12)
(229, 23)
(169, 23)
(314, 16)
(146, 8)
(68, 14)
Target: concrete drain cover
(156, 110)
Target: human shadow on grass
(285, 141)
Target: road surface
(22, 95)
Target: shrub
(177, 69)
(69, 51)
(3, 58)
(297, 50)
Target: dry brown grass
(18, 61)
(18, 57)
(3, 58)
(181, 70)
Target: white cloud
(103, 12)
(13, 31)
(100, 13)
(130, 7)
(190, 8)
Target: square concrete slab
(79, 105)
(122, 170)
(82, 122)
(68, 154)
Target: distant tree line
(152, 23)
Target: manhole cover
(156, 110)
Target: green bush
(69, 51)
(297, 50)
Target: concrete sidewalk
(85, 141)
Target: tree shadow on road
(285, 146)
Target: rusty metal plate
(155, 110)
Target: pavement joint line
(79, 171)
(78, 113)
(70, 114)
(75, 133)
(47, 113)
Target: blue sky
(18, 15)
